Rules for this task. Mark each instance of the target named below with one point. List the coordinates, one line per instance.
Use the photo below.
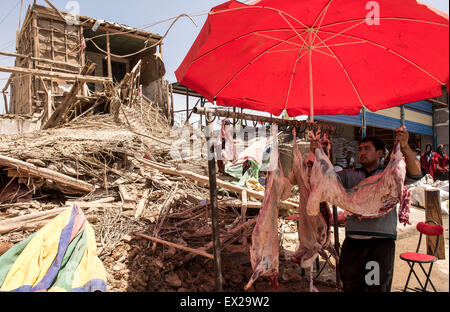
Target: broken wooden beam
(17, 223)
(60, 114)
(56, 75)
(205, 180)
(191, 250)
(32, 170)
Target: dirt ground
(133, 267)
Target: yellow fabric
(91, 267)
(34, 262)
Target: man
(441, 164)
(368, 251)
(428, 160)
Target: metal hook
(208, 118)
(244, 125)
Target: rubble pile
(150, 214)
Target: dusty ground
(133, 267)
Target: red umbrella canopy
(333, 55)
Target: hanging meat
(264, 251)
(313, 231)
(373, 197)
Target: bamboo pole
(108, 51)
(214, 209)
(160, 241)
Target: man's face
(368, 156)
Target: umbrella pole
(214, 207)
(337, 245)
(311, 86)
(402, 115)
(364, 122)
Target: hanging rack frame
(300, 125)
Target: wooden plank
(433, 213)
(141, 205)
(26, 168)
(126, 197)
(17, 223)
(56, 75)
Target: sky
(135, 13)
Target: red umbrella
(319, 56)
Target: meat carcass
(372, 198)
(313, 231)
(264, 251)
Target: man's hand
(402, 136)
(412, 163)
(313, 145)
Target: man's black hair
(377, 143)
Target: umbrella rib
(386, 18)
(293, 28)
(299, 56)
(340, 44)
(347, 29)
(345, 71)
(242, 36)
(248, 64)
(317, 50)
(324, 11)
(259, 7)
(278, 39)
(389, 50)
(287, 50)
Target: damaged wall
(11, 125)
(44, 36)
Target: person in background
(442, 164)
(350, 160)
(418, 152)
(428, 160)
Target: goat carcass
(372, 198)
(313, 231)
(264, 251)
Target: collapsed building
(54, 51)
